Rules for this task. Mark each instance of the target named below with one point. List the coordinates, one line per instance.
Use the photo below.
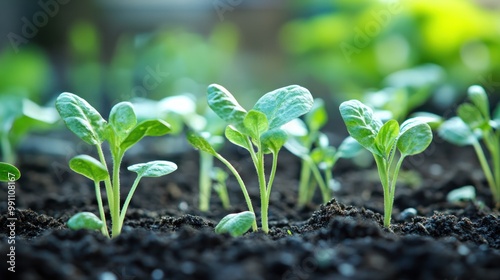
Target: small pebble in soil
(107, 276)
(157, 274)
(435, 169)
(463, 250)
(183, 206)
(408, 214)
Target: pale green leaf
(85, 220)
(348, 148)
(284, 104)
(81, 118)
(386, 137)
(122, 118)
(471, 115)
(317, 117)
(223, 103)
(145, 128)
(199, 142)
(273, 140)
(414, 137)
(236, 137)
(479, 98)
(155, 168)
(89, 167)
(255, 123)
(457, 132)
(236, 224)
(361, 124)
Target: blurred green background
(110, 51)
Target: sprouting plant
(472, 124)
(383, 140)
(219, 176)
(8, 172)
(18, 116)
(121, 133)
(312, 146)
(258, 131)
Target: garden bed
(166, 237)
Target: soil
(166, 237)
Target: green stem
(104, 228)
(264, 201)
(486, 169)
(384, 179)
(221, 190)
(392, 190)
(271, 176)
(8, 154)
(206, 164)
(242, 186)
(107, 181)
(115, 213)
(305, 177)
(129, 198)
(325, 191)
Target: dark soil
(166, 237)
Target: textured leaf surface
(457, 132)
(85, 220)
(89, 167)
(199, 142)
(223, 103)
(145, 128)
(415, 136)
(236, 224)
(155, 168)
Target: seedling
(219, 176)
(308, 143)
(473, 123)
(121, 132)
(258, 131)
(18, 116)
(8, 172)
(383, 140)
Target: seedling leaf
(236, 137)
(255, 123)
(223, 103)
(199, 142)
(8, 172)
(414, 138)
(386, 137)
(85, 220)
(155, 168)
(361, 124)
(457, 132)
(479, 98)
(145, 128)
(122, 118)
(317, 117)
(273, 140)
(236, 224)
(348, 148)
(81, 118)
(471, 115)
(89, 167)
(284, 104)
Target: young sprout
(219, 176)
(121, 133)
(8, 172)
(258, 131)
(474, 123)
(313, 148)
(383, 141)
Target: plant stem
(384, 179)
(129, 198)
(271, 176)
(221, 190)
(264, 202)
(325, 191)
(305, 177)
(486, 169)
(104, 228)
(242, 186)
(206, 164)
(107, 181)
(115, 213)
(392, 190)
(8, 154)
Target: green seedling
(312, 147)
(121, 133)
(19, 116)
(219, 176)
(236, 224)
(85, 220)
(8, 172)
(474, 123)
(258, 131)
(383, 140)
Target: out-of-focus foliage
(353, 45)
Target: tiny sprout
(85, 220)
(236, 224)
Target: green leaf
(89, 167)
(386, 137)
(223, 103)
(273, 140)
(81, 118)
(85, 220)
(8, 172)
(433, 120)
(199, 142)
(236, 137)
(361, 124)
(317, 117)
(471, 115)
(255, 123)
(155, 168)
(479, 98)
(284, 104)
(122, 118)
(414, 137)
(495, 122)
(324, 157)
(457, 132)
(348, 148)
(235, 224)
(145, 128)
